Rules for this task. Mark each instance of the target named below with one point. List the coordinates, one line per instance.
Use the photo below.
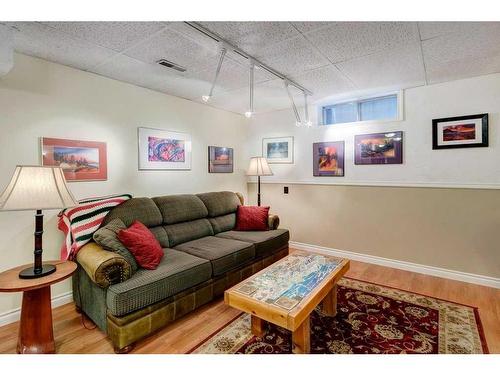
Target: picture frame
(80, 160)
(161, 149)
(220, 159)
(460, 132)
(328, 159)
(278, 150)
(378, 148)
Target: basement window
(377, 108)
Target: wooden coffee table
(286, 292)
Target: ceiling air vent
(171, 65)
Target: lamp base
(29, 273)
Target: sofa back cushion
(188, 231)
(140, 209)
(220, 203)
(223, 223)
(180, 208)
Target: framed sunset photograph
(460, 132)
(328, 159)
(79, 160)
(163, 149)
(378, 148)
(220, 159)
(278, 150)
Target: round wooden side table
(36, 335)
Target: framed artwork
(328, 159)
(220, 159)
(163, 149)
(278, 150)
(79, 160)
(378, 148)
(460, 132)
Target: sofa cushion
(188, 231)
(220, 202)
(107, 238)
(180, 208)
(266, 242)
(252, 218)
(223, 223)
(161, 235)
(177, 271)
(224, 253)
(141, 209)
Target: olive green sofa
(203, 257)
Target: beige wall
(456, 229)
(39, 98)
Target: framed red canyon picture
(460, 132)
(80, 160)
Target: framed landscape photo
(220, 159)
(278, 150)
(460, 132)
(163, 149)
(378, 148)
(328, 159)
(79, 160)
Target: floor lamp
(259, 167)
(36, 188)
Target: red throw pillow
(142, 244)
(252, 218)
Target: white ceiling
(328, 58)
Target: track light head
(308, 124)
(248, 114)
(205, 98)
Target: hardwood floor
(184, 334)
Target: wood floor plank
(187, 332)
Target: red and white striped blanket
(79, 223)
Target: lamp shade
(259, 167)
(36, 188)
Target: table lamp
(259, 167)
(37, 188)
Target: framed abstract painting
(220, 159)
(79, 160)
(378, 148)
(460, 132)
(278, 150)
(163, 149)
(328, 159)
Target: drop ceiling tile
(113, 35)
(462, 55)
(36, 39)
(292, 56)
(252, 37)
(323, 82)
(346, 40)
(429, 30)
(396, 68)
(178, 48)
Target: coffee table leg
(35, 331)
(329, 305)
(257, 326)
(301, 338)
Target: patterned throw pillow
(142, 244)
(107, 237)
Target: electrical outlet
(285, 190)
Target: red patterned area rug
(370, 319)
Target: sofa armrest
(273, 222)
(104, 267)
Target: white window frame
(400, 111)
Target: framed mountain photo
(460, 132)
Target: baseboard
(15, 314)
(407, 266)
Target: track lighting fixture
(206, 98)
(249, 113)
(298, 122)
(307, 122)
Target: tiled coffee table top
(290, 280)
